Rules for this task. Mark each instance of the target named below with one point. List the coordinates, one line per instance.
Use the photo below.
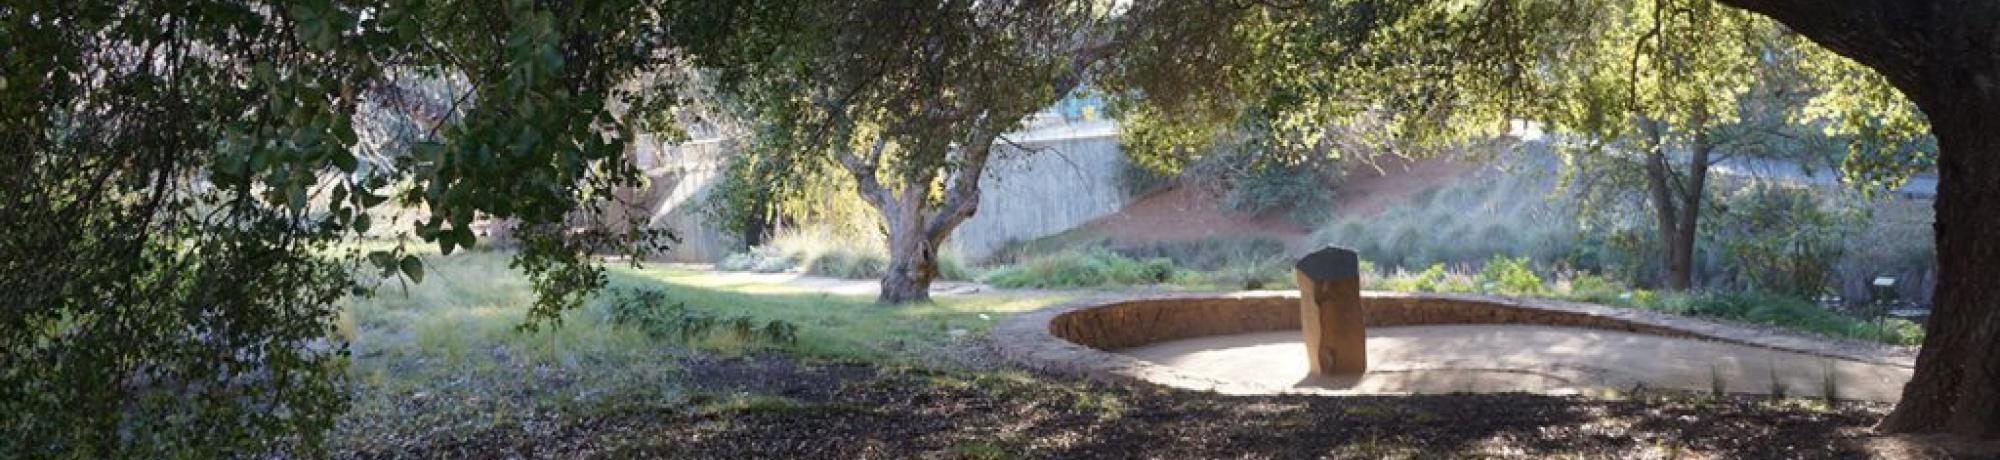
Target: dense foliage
(186, 178)
(1082, 268)
(908, 99)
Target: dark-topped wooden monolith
(1330, 312)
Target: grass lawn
(832, 326)
(443, 358)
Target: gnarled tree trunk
(1957, 383)
(915, 228)
(912, 260)
(1944, 55)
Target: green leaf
(369, 200)
(382, 259)
(345, 161)
(413, 268)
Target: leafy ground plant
(650, 311)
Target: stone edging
(1031, 339)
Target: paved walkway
(1538, 359)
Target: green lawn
(831, 326)
(444, 356)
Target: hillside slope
(1181, 213)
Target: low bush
(762, 259)
(1275, 274)
(1593, 289)
(1781, 311)
(1490, 212)
(1510, 276)
(1436, 278)
(1082, 268)
(848, 263)
(1514, 277)
(854, 264)
(649, 311)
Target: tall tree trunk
(1676, 203)
(1676, 239)
(1957, 383)
(915, 229)
(912, 267)
(757, 222)
(912, 250)
(1692, 192)
(1944, 55)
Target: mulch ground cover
(772, 407)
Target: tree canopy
(186, 186)
(909, 99)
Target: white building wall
(1068, 176)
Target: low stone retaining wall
(1081, 337)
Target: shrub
(1642, 298)
(1595, 289)
(1510, 276)
(1304, 189)
(1900, 332)
(1082, 268)
(1268, 274)
(1492, 212)
(1799, 261)
(952, 267)
(648, 310)
(848, 263)
(770, 258)
(1431, 280)
(738, 262)
(1782, 311)
(1209, 253)
(822, 251)
(1434, 279)
(1135, 179)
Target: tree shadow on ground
(860, 411)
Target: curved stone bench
(1081, 337)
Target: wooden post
(1330, 312)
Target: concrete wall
(1067, 176)
(680, 176)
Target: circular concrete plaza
(1250, 344)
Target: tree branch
(1886, 35)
